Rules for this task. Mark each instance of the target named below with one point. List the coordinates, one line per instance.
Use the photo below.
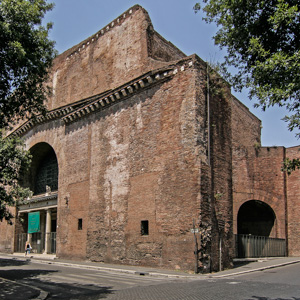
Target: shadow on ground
(23, 285)
(238, 264)
(13, 262)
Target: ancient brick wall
(145, 159)
(293, 206)
(256, 170)
(135, 161)
(257, 175)
(116, 54)
(245, 136)
(148, 171)
(143, 153)
(221, 176)
(160, 49)
(269, 184)
(7, 235)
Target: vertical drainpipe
(286, 207)
(208, 115)
(208, 135)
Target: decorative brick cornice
(126, 91)
(84, 107)
(49, 116)
(117, 95)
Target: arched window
(43, 172)
(47, 174)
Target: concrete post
(29, 237)
(48, 231)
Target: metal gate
(37, 242)
(259, 246)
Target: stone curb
(117, 270)
(199, 276)
(255, 270)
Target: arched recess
(39, 213)
(43, 173)
(256, 218)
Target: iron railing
(37, 242)
(259, 246)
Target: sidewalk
(244, 266)
(241, 266)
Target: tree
(26, 54)
(262, 39)
(13, 161)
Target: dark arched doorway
(255, 218)
(256, 221)
(39, 213)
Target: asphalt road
(68, 282)
(62, 282)
(281, 283)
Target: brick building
(137, 152)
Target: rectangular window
(145, 227)
(79, 224)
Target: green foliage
(262, 39)
(217, 85)
(26, 55)
(290, 165)
(14, 160)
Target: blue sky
(175, 20)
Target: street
(70, 283)
(73, 282)
(274, 284)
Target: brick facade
(145, 152)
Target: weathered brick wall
(256, 170)
(160, 49)
(246, 127)
(145, 158)
(221, 176)
(7, 235)
(293, 206)
(246, 130)
(269, 184)
(169, 153)
(245, 136)
(146, 165)
(116, 54)
(136, 160)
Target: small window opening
(145, 227)
(79, 224)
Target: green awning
(34, 222)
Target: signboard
(195, 230)
(34, 222)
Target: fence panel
(37, 242)
(259, 246)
